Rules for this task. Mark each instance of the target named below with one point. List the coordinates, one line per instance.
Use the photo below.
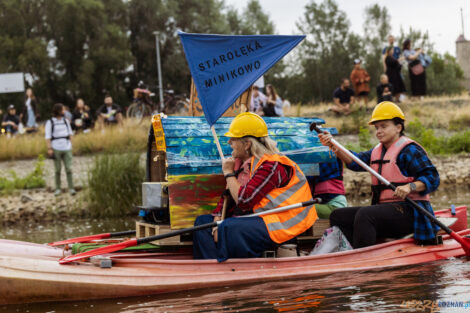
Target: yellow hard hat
(386, 110)
(247, 124)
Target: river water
(446, 282)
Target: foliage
(377, 27)
(328, 47)
(35, 179)
(86, 48)
(114, 184)
(444, 76)
(365, 139)
(456, 143)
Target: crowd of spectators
(391, 86)
(80, 118)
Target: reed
(114, 184)
(131, 137)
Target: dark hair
(272, 91)
(255, 87)
(107, 96)
(344, 79)
(57, 109)
(399, 121)
(407, 44)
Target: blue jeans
(238, 237)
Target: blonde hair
(261, 146)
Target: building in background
(463, 58)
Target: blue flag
(224, 66)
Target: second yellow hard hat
(386, 110)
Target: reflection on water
(370, 291)
(54, 231)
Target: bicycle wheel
(137, 111)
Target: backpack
(52, 130)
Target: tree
(327, 53)
(253, 21)
(145, 18)
(23, 48)
(377, 26)
(91, 47)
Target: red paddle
(91, 237)
(464, 242)
(135, 242)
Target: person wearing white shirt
(59, 147)
(258, 100)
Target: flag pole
(219, 148)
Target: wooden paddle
(91, 237)
(464, 242)
(135, 242)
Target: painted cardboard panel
(191, 196)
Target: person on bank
(109, 113)
(384, 89)
(343, 98)
(329, 187)
(81, 117)
(59, 147)
(405, 164)
(266, 180)
(30, 114)
(360, 80)
(11, 121)
(273, 105)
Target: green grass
(35, 179)
(456, 143)
(114, 184)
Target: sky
(441, 18)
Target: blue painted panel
(227, 120)
(284, 143)
(191, 148)
(310, 169)
(206, 132)
(304, 156)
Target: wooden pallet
(316, 231)
(147, 229)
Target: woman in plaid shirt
(259, 174)
(401, 161)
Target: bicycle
(143, 106)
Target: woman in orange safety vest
(266, 180)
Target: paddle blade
(99, 251)
(80, 239)
(464, 242)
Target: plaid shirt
(268, 176)
(413, 162)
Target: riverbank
(40, 205)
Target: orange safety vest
(286, 225)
